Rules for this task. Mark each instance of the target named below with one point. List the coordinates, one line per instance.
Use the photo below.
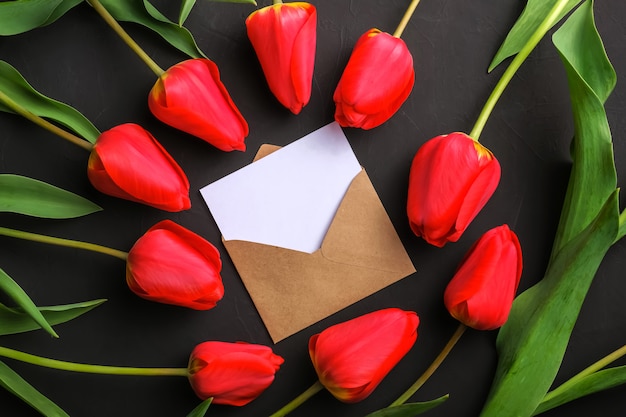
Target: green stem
(406, 18)
(40, 121)
(432, 368)
(110, 20)
(277, 2)
(602, 363)
(296, 402)
(88, 368)
(62, 242)
(534, 39)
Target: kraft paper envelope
(361, 254)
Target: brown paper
(360, 255)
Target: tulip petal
(123, 164)
(190, 96)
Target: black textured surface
(80, 61)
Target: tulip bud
(232, 373)
(123, 162)
(190, 96)
(481, 293)
(353, 357)
(451, 179)
(378, 78)
(172, 265)
(284, 39)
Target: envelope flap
(362, 234)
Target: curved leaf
(20, 16)
(18, 386)
(32, 197)
(144, 13)
(14, 320)
(591, 79)
(19, 90)
(530, 19)
(532, 343)
(408, 409)
(596, 382)
(17, 294)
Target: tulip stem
(521, 56)
(277, 2)
(299, 400)
(40, 121)
(432, 368)
(602, 363)
(406, 18)
(88, 368)
(62, 242)
(110, 20)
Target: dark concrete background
(80, 61)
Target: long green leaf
(201, 409)
(19, 90)
(531, 345)
(24, 195)
(17, 294)
(15, 384)
(144, 13)
(20, 16)
(530, 19)
(591, 80)
(596, 382)
(13, 320)
(409, 409)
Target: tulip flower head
(481, 293)
(284, 39)
(172, 265)
(232, 373)
(451, 179)
(353, 357)
(376, 81)
(123, 164)
(191, 97)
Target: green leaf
(15, 384)
(20, 16)
(201, 409)
(14, 320)
(596, 382)
(591, 80)
(145, 14)
(530, 19)
(409, 409)
(32, 197)
(531, 345)
(17, 294)
(19, 90)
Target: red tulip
(232, 373)
(378, 78)
(451, 179)
(283, 37)
(123, 164)
(172, 265)
(352, 358)
(190, 96)
(481, 292)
